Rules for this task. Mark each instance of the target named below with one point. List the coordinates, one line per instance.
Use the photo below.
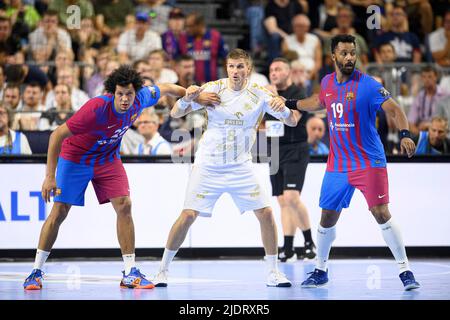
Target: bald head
(316, 130)
(301, 25)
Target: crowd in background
(50, 65)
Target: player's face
(238, 71)
(437, 133)
(344, 57)
(124, 97)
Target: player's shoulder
(326, 79)
(153, 90)
(259, 90)
(215, 86)
(99, 101)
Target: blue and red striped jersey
(206, 52)
(98, 128)
(351, 111)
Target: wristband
(291, 103)
(182, 104)
(405, 134)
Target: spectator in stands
(443, 108)
(420, 16)
(2, 80)
(86, 10)
(439, 42)
(101, 60)
(137, 43)
(316, 131)
(143, 68)
(279, 14)
(406, 44)
(23, 13)
(157, 60)
(10, 41)
(11, 142)
(11, 97)
(30, 113)
(111, 65)
(47, 39)
(327, 18)
(60, 112)
(424, 104)
(344, 21)
(305, 44)
(154, 144)
(25, 74)
(205, 45)
(158, 13)
(110, 15)
(434, 141)
(86, 40)
(170, 38)
(301, 77)
(64, 59)
(78, 97)
(185, 70)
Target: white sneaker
(160, 280)
(277, 279)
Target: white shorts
(207, 184)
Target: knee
(329, 218)
(59, 212)
(124, 206)
(381, 213)
(188, 216)
(291, 197)
(265, 215)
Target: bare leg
(49, 231)
(180, 229)
(268, 230)
(125, 225)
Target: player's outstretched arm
(401, 121)
(54, 148)
(171, 90)
(309, 104)
(288, 116)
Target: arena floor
(362, 279)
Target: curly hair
(123, 76)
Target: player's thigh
(336, 192)
(72, 180)
(203, 190)
(110, 181)
(374, 185)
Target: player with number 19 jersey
(356, 158)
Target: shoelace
(34, 275)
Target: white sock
(393, 238)
(167, 259)
(272, 262)
(129, 260)
(41, 257)
(325, 238)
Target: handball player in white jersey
(223, 159)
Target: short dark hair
(33, 84)
(123, 76)
(281, 59)
(429, 68)
(51, 13)
(183, 57)
(346, 38)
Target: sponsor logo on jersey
(234, 122)
(384, 92)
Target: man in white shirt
(154, 144)
(137, 43)
(223, 161)
(11, 142)
(439, 41)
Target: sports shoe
(277, 279)
(34, 280)
(135, 280)
(310, 251)
(316, 279)
(160, 280)
(287, 256)
(409, 282)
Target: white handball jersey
(232, 125)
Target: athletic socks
(271, 263)
(308, 237)
(167, 259)
(129, 260)
(288, 243)
(325, 238)
(392, 237)
(41, 257)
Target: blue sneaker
(409, 282)
(34, 280)
(316, 279)
(135, 280)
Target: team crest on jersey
(58, 192)
(384, 92)
(133, 117)
(247, 107)
(206, 43)
(350, 96)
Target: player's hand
(408, 146)
(277, 104)
(48, 187)
(209, 99)
(192, 92)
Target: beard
(346, 69)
